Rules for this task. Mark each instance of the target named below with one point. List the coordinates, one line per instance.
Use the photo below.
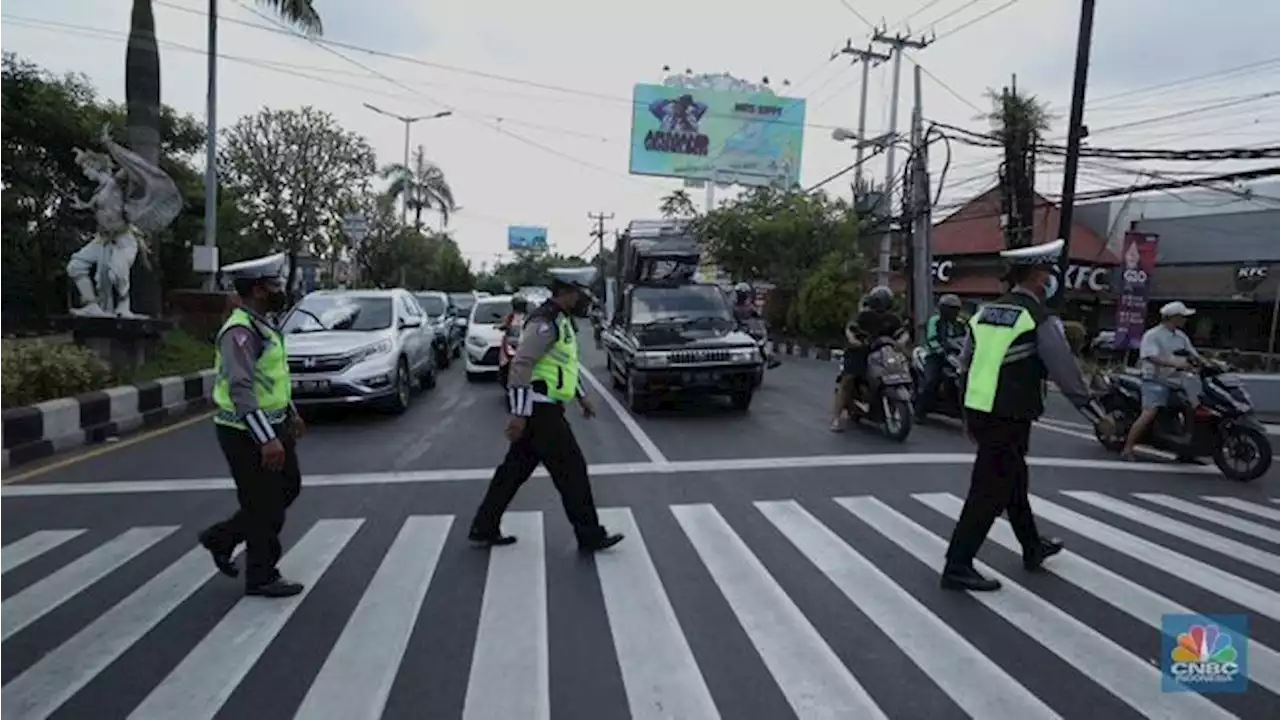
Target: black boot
(278, 588)
(603, 542)
(490, 539)
(959, 577)
(221, 556)
(1032, 559)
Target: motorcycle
(756, 327)
(947, 399)
(1225, 428)
(884, 396)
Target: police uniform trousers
(999, 483)
(548, 440)
(264, 497)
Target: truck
(668, 333)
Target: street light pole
(211, 147)
(408, 121)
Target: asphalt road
(772, 569)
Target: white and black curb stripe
(797, 349)
(34, 432)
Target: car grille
(692, 357)
(319, 364)
(490, 357)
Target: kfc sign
(1249, 277)
(1078, 277)
(942, 270)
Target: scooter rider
(744, 306)
(875, 319)
(519, 310)
(943, 327)
(1160, 362)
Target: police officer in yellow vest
(257, 426)
(544, 377)
(1014, 345)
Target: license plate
(311, 385)
(896, 379)
(698, 378)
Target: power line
(1251, 67)
(976, 20)
(1193, 111)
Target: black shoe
(603, 543)
(966, 578)
(488, 540)
(221, 557)
(1035, 558)
(278, 588)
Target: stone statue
(138, 198)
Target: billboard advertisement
(526, 237)
(1138, 265)
(698, 134)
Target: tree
(829, 297)
(421, 186)
(1017, 121)
(678, 205)
(294, 173)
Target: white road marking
(1227, 520)
(198, 687)
(808, 672)
(357, 676)
(510, 671)
(659, 671)
(727, 465)
(1247, 507)
(20, 552)
(642, 438)
(1053, 426)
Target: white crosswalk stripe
(781, 576)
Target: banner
(699, 134)
(526, 237)
(1136, 272)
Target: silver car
(356, 347)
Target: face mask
(583, 307)
(1051, 286)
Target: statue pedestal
(124, 343)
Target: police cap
(578, 278)
(1045, 254)
(272, 268)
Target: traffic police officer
(544, 377)
(257, 426)
(1013, 346)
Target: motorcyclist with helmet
(744, 311)
(943, 327)
(875, 320)
(515, 318)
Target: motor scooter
(947, 400)
(758, 329)
(884, 395)
(1224, 426)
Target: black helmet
(519, 304)
(878, 299)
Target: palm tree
(142, 98)
(677, 205)
(421, 186)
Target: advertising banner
(526, 237)
(1136, 271)
(701, 134)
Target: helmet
(519, 304)
(878, 299)
(742, 288)
(951, 301)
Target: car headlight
(652, 359)
(477, 341)
(379, 348)
(744, 355)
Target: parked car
(358, 347)
(442, 316)
(484, 335)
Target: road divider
(35, 432)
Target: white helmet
(742, 288)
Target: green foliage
(530, 267)
(179, 354)
(829, 298)
(678, 205)
(422, 186)
(393, 255)
(33, 372)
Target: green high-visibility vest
(994, 329)
(271, 383)
(558, 366)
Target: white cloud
(604, 48)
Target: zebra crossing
(827, 609)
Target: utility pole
(211, 150)
(408, 121)
(869, 59)
(921, 218)
(897, 43)
(1017, 172)
(598, 233)
(1075, 133)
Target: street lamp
(407, 120)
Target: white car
(484, 338)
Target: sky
(541, 92)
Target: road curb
(797, 349)
(35, 432)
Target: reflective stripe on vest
(271, 384)
(558, 366)
(995, 329)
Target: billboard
(735, 137)
(1139, 264)
(526, 237)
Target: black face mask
(582, 308)
(949, 314)
(277, 301)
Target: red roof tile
(975, 229)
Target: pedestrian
(1014, 345)
(257, 426)
(543, 378)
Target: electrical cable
(974, 21)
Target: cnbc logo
(1206, 654)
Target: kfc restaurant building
(966, 262)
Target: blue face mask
(1051, 285)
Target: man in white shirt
(1160, 363)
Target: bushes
(34, 372)
(38, 371)
(827, 300)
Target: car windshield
(491, 312)
(339, 312)
(690, 303)
(464, 301)
(433, 305)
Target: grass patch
(178, 354)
